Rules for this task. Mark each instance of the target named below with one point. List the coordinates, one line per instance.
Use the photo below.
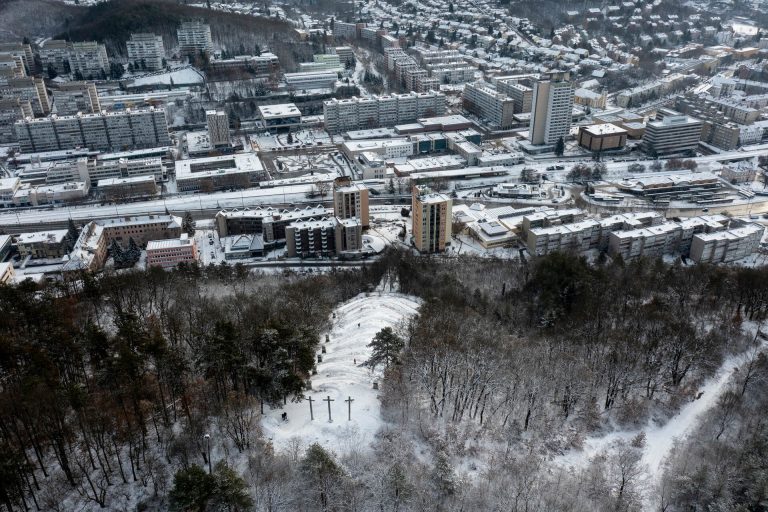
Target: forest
(110, 384)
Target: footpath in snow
(659, 439)
(341, 375)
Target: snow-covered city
(383, 255)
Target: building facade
(551, 109)
(673, 133)
(431, 221)
(359, 113)
(350, 200)
(194, 38)
(218, 127)
(105, 131)
(486, 102)
(172, 252)
(71, 98)
(146, 51)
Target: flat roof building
(674, 133)
(552, 109)
(242, 170)
(146, 51)
(602, 137)
(105, 131)
(431, 220)
(350, 200)
(172, 252)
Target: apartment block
(70, 98)
(268, 222)
(490, 105)
(194, 38)
(349, 236)
(11, 110)
(551, 109)
(311, 238)
(54, 54)
(105, 131)
(89, 58)
(172, 252)
(431, 220)
(358, 113)
(519, 88)
(11, 66)
(726, 246)
(146, 51)
(651, 241)
(28, 89)
(7, 273)
(218, 127)
(350, 200)
(578, 236)
(21, 50)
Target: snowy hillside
(341, 375)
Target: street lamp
(207, 438)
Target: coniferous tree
(386, 346)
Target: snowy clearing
(341, 375)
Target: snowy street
(341, 375)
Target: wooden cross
(311, 413)
(349, 407)
(329, 400)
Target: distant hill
(113, 22)
(35, 18)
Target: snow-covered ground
(181, 76)
(341, 375)
(659, 439)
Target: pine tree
(391, 186)
(386, 346)
(231, 491)
(560, 147)
(117, 253)
(187, 224)
(133, 254)
(192, 489)
(72, 234)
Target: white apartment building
(11, 110)
(69, 98)
(486, 102)
(311, 80)
(105, 131)
(194, 37)
(88, 58)
(55, 54)
(726, 246)
(146, 50)
(28, 89)
(551, 109)
(218, 127)
(578, 236)
(358, 113)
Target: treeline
(113, 22)
(117, 379)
